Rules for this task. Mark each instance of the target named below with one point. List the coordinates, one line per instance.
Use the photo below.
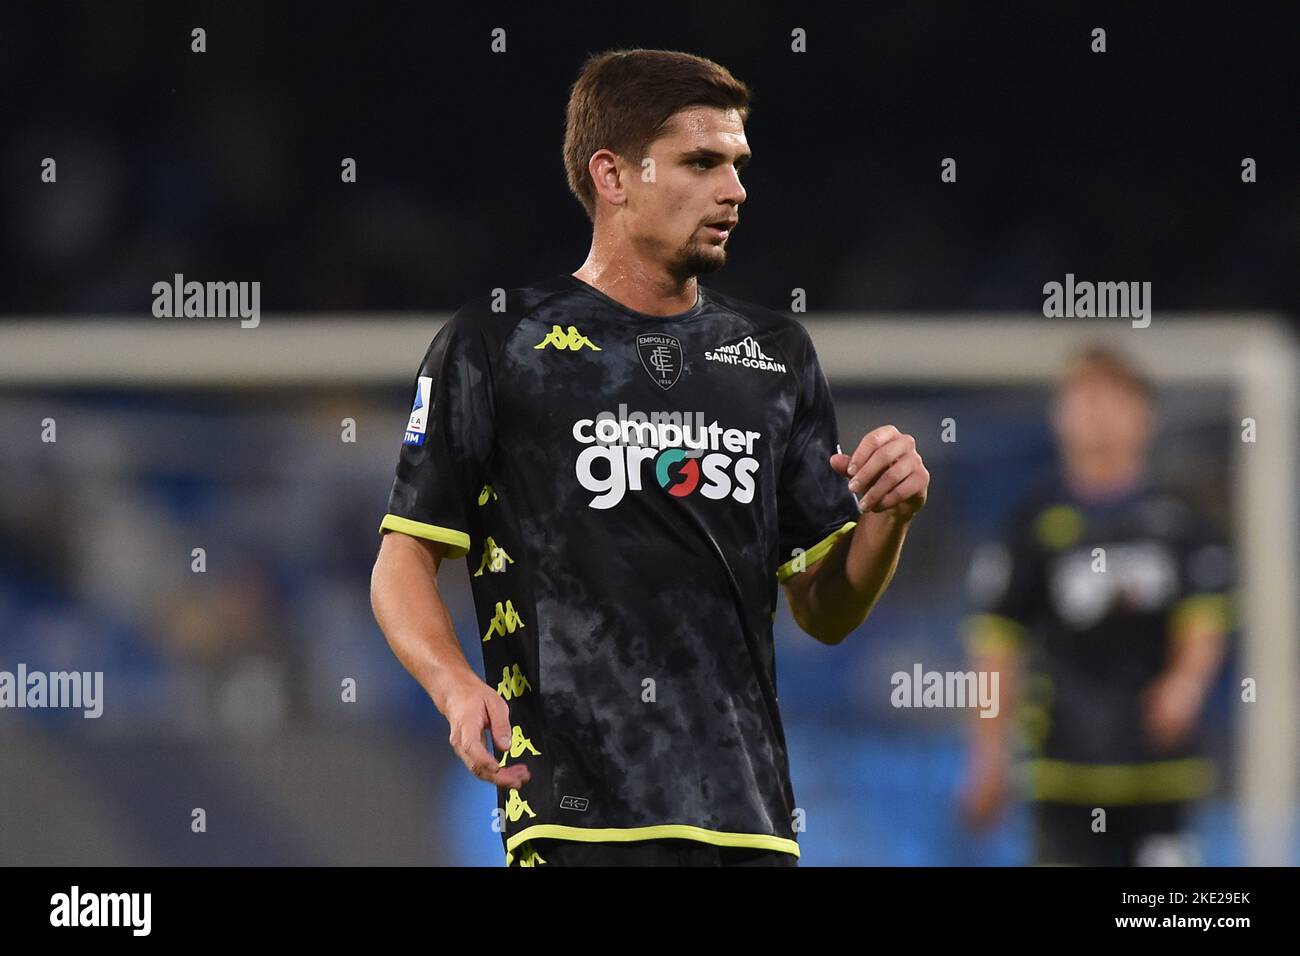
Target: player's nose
(733, 194)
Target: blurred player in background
(1105, 610)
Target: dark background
(1117, 166)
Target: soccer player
(1105, 611)
(631, 463)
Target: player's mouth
(721, 228)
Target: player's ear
(607, 176)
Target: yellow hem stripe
(813, 554)
(1153, 782)
(457, 541)
(679, 831)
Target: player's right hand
(982, 797)
(472, 707)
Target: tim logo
(747, 352)
(573, 803)
(661, 357)
(570, 340)
(418, 423)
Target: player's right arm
(992, 740)
(417, 625)
(1005, 584)
(442, 466)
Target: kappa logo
(517, 806)
(513, 683)
(519, 745)
(566, 340)
(661, 357)
(494, 558)
(747, 352)
(419, 421)
(505, 621)
(528, 855)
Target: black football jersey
(628, 491)
(1090, 590)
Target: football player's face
(685, 203)
(1096, 414)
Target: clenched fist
(888, 468)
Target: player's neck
(639, 286)
(1102, 478)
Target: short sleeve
(1006, 590)
(443, 462)
(814, 504)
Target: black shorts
(1153, 834)
(662, 852)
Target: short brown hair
(1098, 359)
(623, 100)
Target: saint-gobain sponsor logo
(747, 353)
(683, 458)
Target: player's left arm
(836, 594)
(1198, 633)
(1199, 624)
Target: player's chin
(701, 260)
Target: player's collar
(641, 316)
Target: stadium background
(223, 688)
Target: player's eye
(701, 163)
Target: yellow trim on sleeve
(663, 831)
(989, 633)
(457, 541)
(801, 562)
(1158, 781)
(1215, 609)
